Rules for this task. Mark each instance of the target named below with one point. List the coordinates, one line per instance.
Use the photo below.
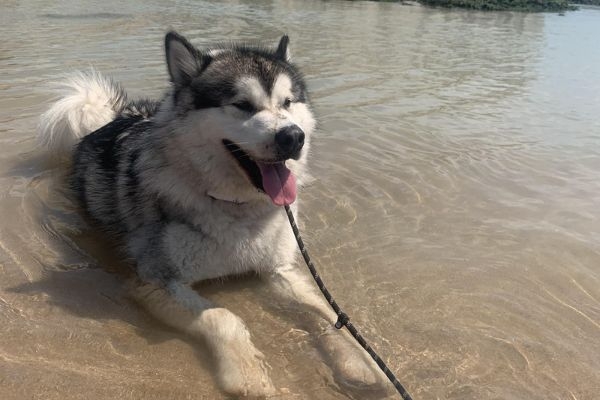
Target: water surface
(454, 211)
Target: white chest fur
(215, 245)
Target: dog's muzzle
(289, 142)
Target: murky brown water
(455, 214)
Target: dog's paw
(356, 373)
(352, 366)
(243, 373)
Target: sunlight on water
(454, 210)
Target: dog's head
(243, 113)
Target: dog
(192, 186)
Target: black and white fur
(163, 176)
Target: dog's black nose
(289, 141)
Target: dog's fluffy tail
(89, 101)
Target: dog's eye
(245, 106)
(287, 102)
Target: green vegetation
(507, 5)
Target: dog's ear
(183, 59)
(282, 51)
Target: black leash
(343, 319)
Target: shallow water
(454, 214)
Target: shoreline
(507, 5)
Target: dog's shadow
(79, 270)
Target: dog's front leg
(351, 364)
(241, 370)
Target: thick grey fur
(158, 176)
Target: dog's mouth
(272, 178)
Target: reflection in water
(453, 210)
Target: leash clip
(342, 320)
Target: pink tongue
(279, 183)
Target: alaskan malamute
(192, 185)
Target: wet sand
(454, 211)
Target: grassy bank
(507, 5)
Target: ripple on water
(453, 210)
